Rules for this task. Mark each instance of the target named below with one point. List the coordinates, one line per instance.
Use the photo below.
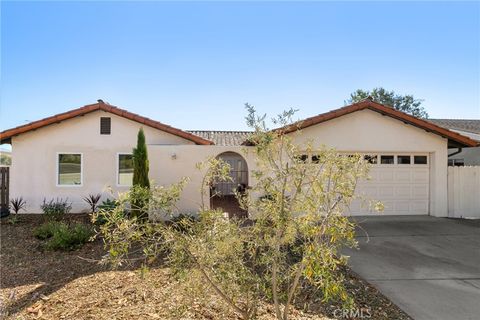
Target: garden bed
(41, 284)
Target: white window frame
(117, 171)
(57, 171)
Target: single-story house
(88, 150)
(469, 156)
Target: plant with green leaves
(140, 173)
(92, 200)
(122, 231)
(140, 162)
(300, 222)
(293, 243)
(16, 204)
(405, 103)
(56, 209)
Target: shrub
(71, 237)
(62, 236)
(55, 209)
(46, 230)
(18, 204)
(98, 217)
(92, 200)
(183, 222)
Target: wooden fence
(464, 192)
(4, 184)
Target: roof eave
(6, 135)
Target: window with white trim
(69, 169)
(125, 169)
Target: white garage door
(399, 181)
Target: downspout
(456, 152)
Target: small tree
(294, 242)
(406, 103)
(140, 175)
(140, 162)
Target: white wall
(369, 131)
(33, 171)
(463, 192)
(165, 169)
(33, 174)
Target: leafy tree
(292, 244)
(140, 176)
(404, 103)
(140, 162)
(5, 160)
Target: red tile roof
(454, 139)
(5, 136)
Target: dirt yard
(39, 284)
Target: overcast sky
(194, 65)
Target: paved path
(429, 267)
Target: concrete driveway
(429, 267)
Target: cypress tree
(140, 162)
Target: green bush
(98, 217)
(69, 237)
(56, 209)
(62, 236)
(46, 230)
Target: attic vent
(105, 125)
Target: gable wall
(34, 154)
(369, 131)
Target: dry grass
(39, 284)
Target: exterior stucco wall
(33, 171)
(369, 131)
(33, 174)
(168, 164)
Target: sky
(194, 65)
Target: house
(469, 128)
(88, 150)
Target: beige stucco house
(88, 150)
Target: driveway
(429, 267)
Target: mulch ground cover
(40, 284)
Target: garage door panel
(419, 206)
(403, 175)
(386, 176)
(403, 192)
(402, 188)
(387, 192)
(420, 176)
(402, 207)
(420, 192)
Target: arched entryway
(223, 193)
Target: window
(373, 159)
(105, 125)
(125, 170)
(403, 159)
(69, 166)
(386, 160)
(420, 159)
(456, 162)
